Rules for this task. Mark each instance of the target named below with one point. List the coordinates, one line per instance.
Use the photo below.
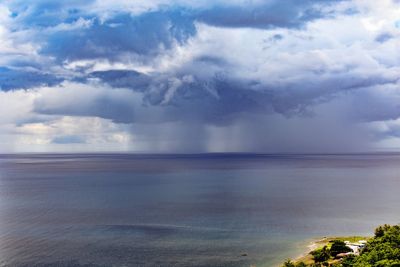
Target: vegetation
(338, 246)
(383, 250)
(321, 254)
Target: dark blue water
(199, 210)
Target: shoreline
(311, 245)
(318, 242)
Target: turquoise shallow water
(197, 210)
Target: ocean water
(193, 210)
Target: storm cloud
(160, 75)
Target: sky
(185, 76)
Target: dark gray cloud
(11, 79)
(272, 14)
(148, 33)
(252, 72)
(144, 35)
(118, 106)
(219, 100)
(123, 79)
(379, 103)
(275, 13)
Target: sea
(187, 210)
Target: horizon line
(208, 153)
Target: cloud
(68, 139)
(123, 79)
(59, 29)
(45, 13)
(383, 37)
(200, 76)
(82, 100)
(269, 14)
(73, 134)
(126, 106)
(143, 35)
(378, 103)
(20, 79)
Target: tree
(380, 231)
(321, 255)
(348, 261)
(383, 250)
(338, 246)
(288, 263)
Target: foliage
(348, 261)
(338, 246)
(321, 255)
(383, 250)
(380, 231)
(289, 263)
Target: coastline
(311, 245)
(300, 249)
(316, 243)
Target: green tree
(321, 255)
(288, 263)
(380, 231)
(348, 261)
(338, 246)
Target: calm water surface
(204, 210)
